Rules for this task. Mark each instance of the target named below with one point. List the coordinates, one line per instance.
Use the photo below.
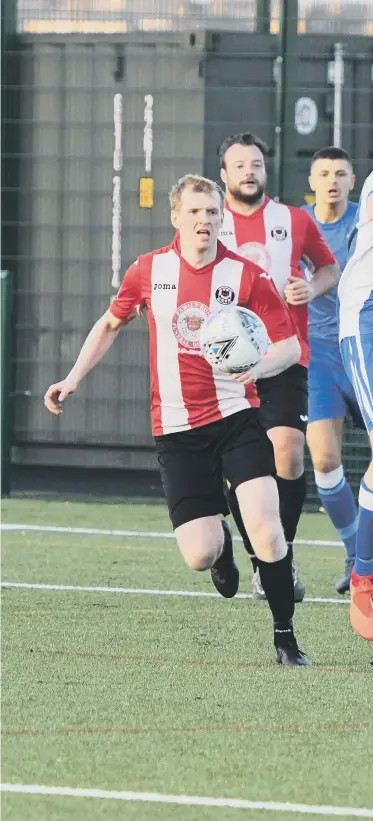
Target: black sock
(283, 633)
(226, 556)
(236, 513)
(292, 493)
(278, 585)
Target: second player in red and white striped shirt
(277, 237)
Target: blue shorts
(330, 392)
(357, 356)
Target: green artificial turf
(171, 695)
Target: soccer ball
(233, 339)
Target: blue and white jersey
(356, 283)
(322, 311)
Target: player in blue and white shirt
(331, 395)
(355, 293)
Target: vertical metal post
(8, 20)
(9, 133)
(8, 35)
(285, 79)
(6, 410)
(263, 16)
(338, 79)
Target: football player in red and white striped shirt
(277, 237)
(205, 422)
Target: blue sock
(364, 541)
(337, 499)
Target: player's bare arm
(301, 292)
(98, 342)
(280, 356)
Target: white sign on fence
(306, 115)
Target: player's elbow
(111, 322)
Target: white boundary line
(189, 800)
(143, 591)
(134, 534)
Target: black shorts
(284, 399)
(193, 463)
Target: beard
(249, 199)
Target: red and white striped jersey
(186, 392)
(278, 237)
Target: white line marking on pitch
(136, 534)
(143, 591)
(190, 800)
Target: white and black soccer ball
(233, 339)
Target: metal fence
(122, 16)
(88, 118)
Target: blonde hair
(196, 183)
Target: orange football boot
(361, 608)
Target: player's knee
(201, 546)
(289, 462)
(199, 559)
(324, 444)
(268, 540)
(202, 557)
(288, 446)
(325, 461)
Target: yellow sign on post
(146, 192)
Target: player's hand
(298, 291)
(246, 378)
(57, 393)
